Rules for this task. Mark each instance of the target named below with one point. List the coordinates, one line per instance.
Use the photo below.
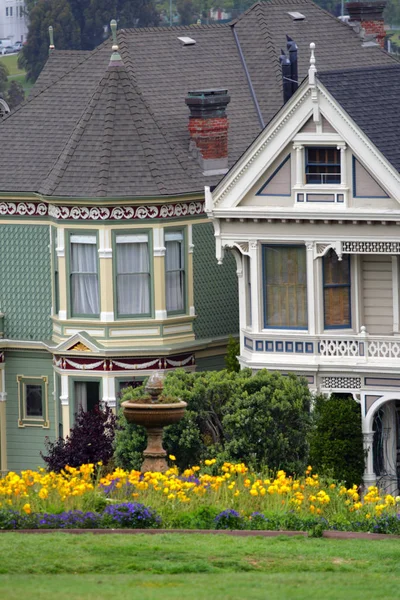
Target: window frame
(315, 164)
(336, 286)
(30, 421)
(182, 230)
(68, 234)
(71, 391)
(149, 233)
(264, 247)
(56, 272)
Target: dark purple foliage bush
(131, 515)
(90, 441)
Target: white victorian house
(312, 213)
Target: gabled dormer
(317, 155)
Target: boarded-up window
(285, 279)
(337, 311)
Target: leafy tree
(336, 443)
(91, 440)
(15, 94)
(66, 32)
(78, 25)
(4, 73)
(262, 420)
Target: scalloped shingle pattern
(215, 287)
(25, 281)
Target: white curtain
(174, 271)
(84, 277)
(80, 396)
(133, 276)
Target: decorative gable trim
(79, 342)
(261, 191)
(309, 100)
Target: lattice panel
(341, 383)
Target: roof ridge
(270, 45)
(106, 146)
(34, 95)
(194, 26)
(59, 166)
(126, 57)
(395, 66)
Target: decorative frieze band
(67, 363)
(102, 213)
(341, 383)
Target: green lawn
(172, 567)
(16, 74)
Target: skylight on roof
(187, 41)
(296, 16)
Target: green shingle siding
(25, 443)
(25, 281)
(215, 287)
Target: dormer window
(322, 166)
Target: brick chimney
(370, 17)
(208, 129)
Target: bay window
(285, 287)
(84, 279)
(337, 311)
(175, 271)
(133, 276)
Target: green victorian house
(107, 267)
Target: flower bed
(203, 497)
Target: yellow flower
(27, 508)
(172, 457)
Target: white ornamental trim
(84, 367)
(121, 213)
(179, 363)
(371, 247)
(23, 209)
(135, 366)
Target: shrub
(267, 421)
(91, 441)
(130, 514)
(229, 519)
(336, 443)
(262, 420)
(232, 351)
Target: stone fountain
(153, 413)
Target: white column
(369, 474)
(319, 296)
(356, 285)
(395, 283)
(311, 288)
(299, 164)
(3, 424)
(256, 292)
(109, 398)
(343, 169)
(64, 398)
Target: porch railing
(363, 346)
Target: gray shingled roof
(371, 97)
(62, 142)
